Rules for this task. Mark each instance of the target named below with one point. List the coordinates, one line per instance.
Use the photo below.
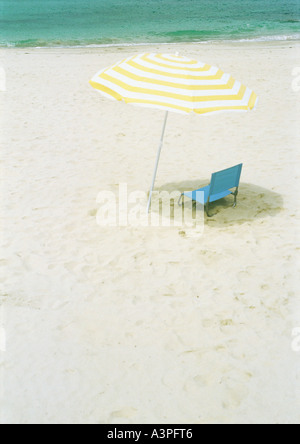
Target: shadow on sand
(253, 202)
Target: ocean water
(113, 22)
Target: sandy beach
(147, 324)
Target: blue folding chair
(220, 186)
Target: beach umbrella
(173, 83)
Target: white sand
(147, 325)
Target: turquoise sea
(113, 22)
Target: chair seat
(202, 194)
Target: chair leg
(235, 197)
(207, 210)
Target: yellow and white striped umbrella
(173, 83)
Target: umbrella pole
(157, 160)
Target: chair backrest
(225, 179)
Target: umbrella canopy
(173, 83)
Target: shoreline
(189, 48)
(261, 39)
